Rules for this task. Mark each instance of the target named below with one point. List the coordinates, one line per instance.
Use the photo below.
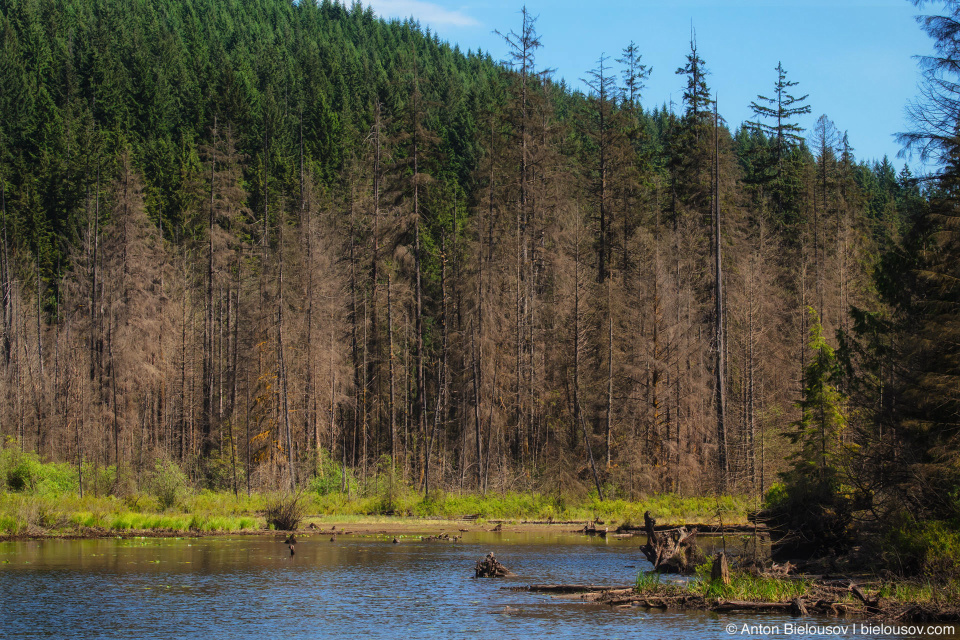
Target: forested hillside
(273, 241)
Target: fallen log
(587, 596)
(801, 606)
(704, 528)
(654, 602)
(570, 588)
(592, 529)
(746, 605)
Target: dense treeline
(273, 240)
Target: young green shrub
(23, 472)
(928, 549)
(222, 471)
(98, 480)
(330, 478)
(168, 484)
(649, 583)
(18, 470)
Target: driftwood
(705, 529)
(570, 588)
(746, 605)
(671, 551)
(443, 537)
(489, 567)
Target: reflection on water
(251, 587)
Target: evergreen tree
(822, 418)
(815, 508)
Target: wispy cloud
(425, 12)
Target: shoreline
(824, 598)
(320, 525)
(382, 525)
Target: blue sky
(855, 58)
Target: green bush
(776, 496)
(928, 549)
(220, 471)
(745, 586)
(24, 472)
(168, 483)
(98, 480)
(328, 478)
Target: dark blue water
(356, 587)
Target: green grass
(921, 591)
(649, 583)
(222, 511)
(32, 514)
(744, 586)
(667, 508)
(38, 497)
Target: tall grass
(34, 514)
(37, 497)
(649, 583)
(744, 586)
(921, 591)
(668, 508)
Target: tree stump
(489, 567)
(674, 551)
(721, 569)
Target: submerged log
(591, 529)
(489, 567)
(747, 605)
(571, 588)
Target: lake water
(355, 587)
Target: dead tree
(673, 551)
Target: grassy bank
(38, 498)
(34, 515)
(31, 513)
(743, 586)
(872, 596)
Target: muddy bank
(321, 526)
